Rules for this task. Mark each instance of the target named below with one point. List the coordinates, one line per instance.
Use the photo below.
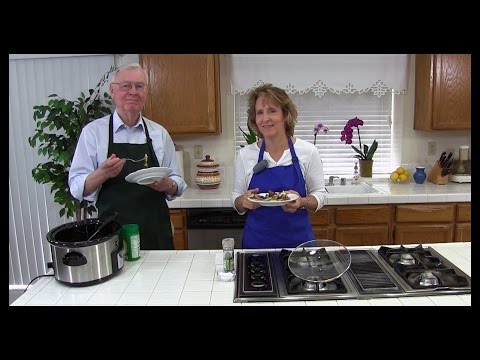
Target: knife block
(435, 175)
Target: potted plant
(58, 127)
(249, 137)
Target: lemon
(400, 170)
(403, 177)
(394, 176)
(407, 174)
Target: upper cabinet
(184, 92)
(442, 92)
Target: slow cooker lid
(75, 234)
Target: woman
(293, 165)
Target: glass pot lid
(319, 260)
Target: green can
(131, 241)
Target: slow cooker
(81, 261)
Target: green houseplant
(58, 127)
(249, 137)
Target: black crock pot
(82, 262)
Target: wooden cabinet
(353, 225)
(178, 217)
(184, 92)
(363, 224)
(323, 223)
(423, 223)
(463, 227)
(442, 92)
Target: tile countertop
(188, 277)
(388, 193)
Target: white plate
(291, 197)
(148, 175)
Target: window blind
(333, 111)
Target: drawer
(353, 215)
(321, 217)
(425, 213)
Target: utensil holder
(435, 175)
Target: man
(100, 165)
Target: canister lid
(207, 163)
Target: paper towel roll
(179, 154)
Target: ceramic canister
(208, 176)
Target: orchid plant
(319, 127)
(347, 134)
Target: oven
(386, 272)
(206, 227)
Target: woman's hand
(244, 203)
(293, 206)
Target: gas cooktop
(386, 272)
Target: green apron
(136, 204)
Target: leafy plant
(58, 127)
(249, 137)
(347, 134)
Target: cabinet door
(362, 235)
(324, 232)
(423, 233)
(178, 219)
(442, 92)
(463, 232)
(184, 92)
(464, 212)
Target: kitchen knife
(446, 171)
(442, 157)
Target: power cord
(35, 278)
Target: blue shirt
(92, 148)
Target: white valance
(321, 73)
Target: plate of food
(273, 198)
(148, 175)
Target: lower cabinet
(463, 227)
(178, 217)
(424, 223)
(389, 224)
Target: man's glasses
(126, 86)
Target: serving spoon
(107, 221)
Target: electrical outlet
(432, 148)
(198, 151)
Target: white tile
(466, 298)
(170, 298)
(166, 286)
(147, 276)
(134, 299)
(195, 298)
(416, 301)
(222, 298)
(447, 300)
(45, 298)
(353, 302)
(417, 198)
(113, 287)
(157, 256)
(203, 257)
(259, 303)
(152, 266)
(184, 256)
(141, 287)
(74, 299)
(227, 286)
(397, 199)
(22, 300)
(385, 302)
(322, 303)
(104, 298)
(201, 275)
(174, 275)
(86, 289)
(437, 198)
(177, 266)
(289, 303)
(198, 285)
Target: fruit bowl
(400, 176)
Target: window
(333, 110)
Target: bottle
(131, 241)
(355, 174)
(228, 255)
(419, 175)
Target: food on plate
(271, 196)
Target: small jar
(208, 176)
(228, 245)
(419, 175)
